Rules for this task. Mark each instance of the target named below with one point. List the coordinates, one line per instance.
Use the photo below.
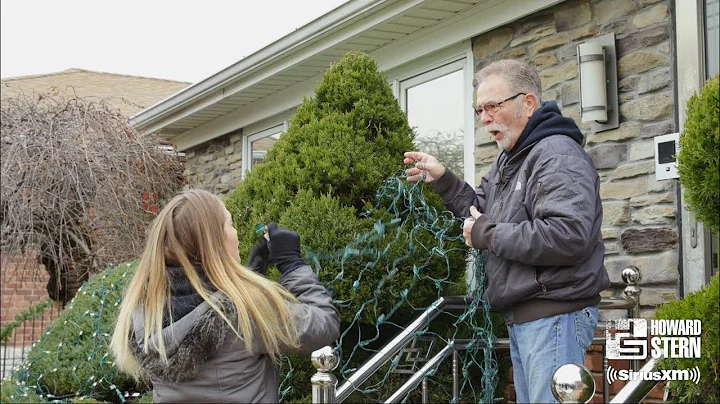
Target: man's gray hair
(519, 76)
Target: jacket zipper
(542, 285)
(503, 182)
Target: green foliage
(72, 359)
(324, 178)
(702, 305)
(19, 319)
(345, 141)
(333, 177)
(13, 391)
(699, 157)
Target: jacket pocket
(551, 278)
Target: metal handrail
(451, 347)
(631, 302)
(417, 377)
(393, 347)
(616, 303)
(396, 344)
(631, 393)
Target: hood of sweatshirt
(546, 121)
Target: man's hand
(468, 224)
(424, 163)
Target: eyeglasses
(491, 108)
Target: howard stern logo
(670, 338)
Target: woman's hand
(284, 246)
(258, 260)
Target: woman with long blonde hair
(204, 328)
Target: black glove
(258, 260)
(284, 248)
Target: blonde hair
(189, 231)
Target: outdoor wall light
(598, 82)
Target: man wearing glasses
(536, 216)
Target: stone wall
(639, 224)
(215, 166)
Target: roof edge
(77, 70)
(276, 50)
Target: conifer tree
(322, 179)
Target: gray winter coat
(208, 363)
(540, 229)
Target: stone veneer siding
(215, 166)
(639, 221)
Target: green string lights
(71, 361)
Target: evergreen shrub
(701, 305)
(321, 179)
(71, 360)
(322, 176)
(12, 391)
(699, 156)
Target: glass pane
(260, 147)
(713, 264)
(712, 37)
(712, 60)
(435, 110)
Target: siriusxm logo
(692, 374)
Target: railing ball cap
(631, 275)
(325, 359)
(572, 383)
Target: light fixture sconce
(597, 64)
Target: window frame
(710, 238)
(247, 158)
(431, 67)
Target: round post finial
(325, 359)
(631, 275)
(572, 383)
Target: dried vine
(79, 186)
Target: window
(436, 104)
(712, 37)
(258, 144)
(712, 62)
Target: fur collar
(207, 334)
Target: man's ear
(531, 103)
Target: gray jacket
(540, 229)
(208, 363)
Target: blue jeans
(539, 347)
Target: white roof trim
(313, 32)
(326, 32)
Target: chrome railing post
(606, 383)
(456, 378)
(323, 381)
(631, 276)
(572, 383)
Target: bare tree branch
(73, 178)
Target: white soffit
(394, 32)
